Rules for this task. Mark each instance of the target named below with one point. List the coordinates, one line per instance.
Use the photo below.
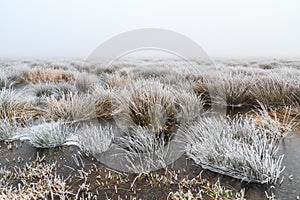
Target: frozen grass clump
(63, 89)
(9, 102)
(8, 129)
(104, 98)
(12, 107)
(230, 90)
(4, 81)
(36, 75)
(189, 106)
(160, 107)
(57, 90)
(94, 139)
(71, 107)
(115, 80)
(273, 90)
(149, 104)
(48, 134)
(144, 150)
(199, 85)
(84, 82)
(11, 76)
(44, 89)
(279, 122)
(240, 148)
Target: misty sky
(231, 28)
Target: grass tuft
(8, 129)
(71, 107)
(104, 99)
(93, 139)
(47, 75)
(240, 148)
(147, 104)
(145, 151)
(48, 134)
(14, 109)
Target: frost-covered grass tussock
(48, 134)
(93, 139)
(8, 129)
(144, 150)
(160, 107)
(238, 147)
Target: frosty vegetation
(241, 148)
(41, 101)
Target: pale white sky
(72, 28)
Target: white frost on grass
(94, 139)
(146, 103)
(144, 150)
(48, 134)
(190, 106)
(240, 148)
(72, 107)
(8, 130)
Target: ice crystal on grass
(14, 108)
(104, 98)
(144, 150)
(149, 104)
(94, 139)
(36, 180)
(232, 89)
(240, 148)
(190, 106)
(48, 134)
(8, 129)
(72, 107)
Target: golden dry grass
(71, 107)
(285, 118)
(20, 112)
(47, 75)
(104, 108)
(117, 80)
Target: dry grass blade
(39, 181)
